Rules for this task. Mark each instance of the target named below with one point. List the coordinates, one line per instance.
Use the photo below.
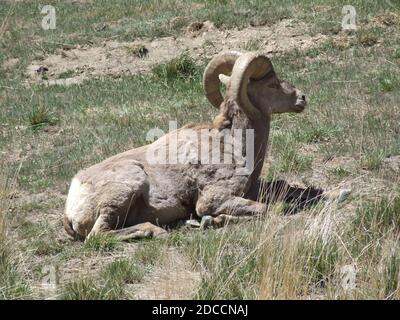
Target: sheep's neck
(261, 127)
(261, 135)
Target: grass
(40, 117)
(115, 278)
(66, 74)
(373, 160)
(49, 133)
(288, 159)
(297, 267)
(233, 269)
(12, 283)
(45, 247)
(319, 133)
(252, 45)
(149, 253)
(340, 172)
(181, 68)
(381, 217)
(89, 289)
(388, 84)
(3, 207)
(303, 259)
(101, 243)
(124, 271)
(367, 38)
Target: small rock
(100, 27)
(337, 196)
(67, 47)
(206, 221)
(42, 69)
(208, 25)
(343, 195)
(139, 50)
(195, 26)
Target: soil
(201, 40)
(174, 279)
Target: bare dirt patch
(10, 63)
(392, 163)
(92, 265)
(387, 19)
(201, 40)
(174, 279)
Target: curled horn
(220, 64)
(248, 66)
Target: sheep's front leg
(238, 206)
(215, 204)
(222, 220)
(139, 231)
(217, 208)
(136, 232)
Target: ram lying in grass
(131, 195)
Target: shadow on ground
(295, 197)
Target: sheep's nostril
(303, 97)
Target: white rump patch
(77, 201)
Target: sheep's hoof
(338, 196)
(192, 223)
(206, 222)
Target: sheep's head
(251, 80)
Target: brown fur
(131, 198)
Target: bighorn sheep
(130, 197)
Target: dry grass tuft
(387, 19)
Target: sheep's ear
(224, 79)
